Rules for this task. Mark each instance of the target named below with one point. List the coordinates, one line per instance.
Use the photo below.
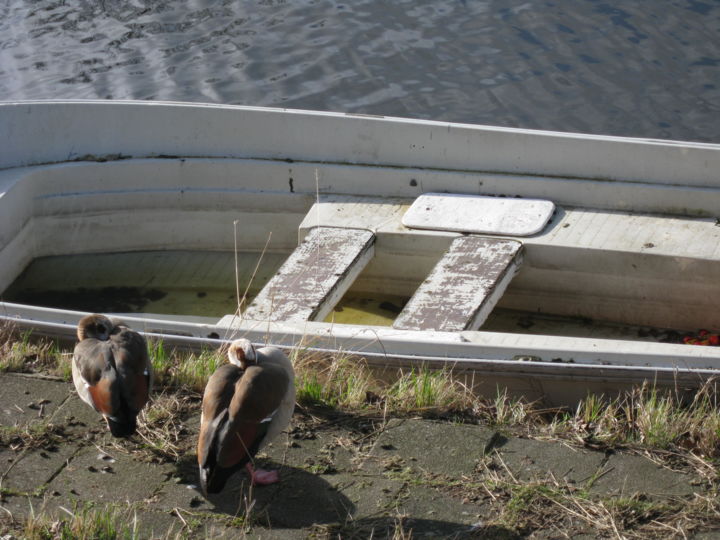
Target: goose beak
(204, 473)
(210, 482)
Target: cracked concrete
(344, 476)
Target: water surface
(647, 68)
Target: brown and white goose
(246, 404)
(112, 371)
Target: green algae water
(181, 283)
(195, 283)
(204, 284)
(374, 309)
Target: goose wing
(95, 377)
(251, 413)
(238, 411)
(133, 366)
(216, 400)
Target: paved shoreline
(341, 476)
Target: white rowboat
(609, 241)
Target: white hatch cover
(477, 214)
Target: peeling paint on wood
(464, 286)
(315, 277)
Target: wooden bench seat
(315, 276)
(464, 285)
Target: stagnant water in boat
(194, 283)
(205, 284)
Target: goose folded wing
(134, 369)
(94, 361)
(258, 395)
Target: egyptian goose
(246, 404)
(112, 371)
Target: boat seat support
(464, 285)
(315, 276)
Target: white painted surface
(485, 347)
(634, 237)
(477, 214)
(558, 370)
(47, 132)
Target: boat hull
(633, 241)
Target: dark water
(642, 68)
(201, 283)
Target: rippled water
(647, 68)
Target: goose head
(95, 326)
(241, 353)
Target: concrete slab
(29, 471)
(89, 476)
(77, 416)
(530, 459)
(304, 499)
(331, 485)
(435, 514)
(369, 495)
(175, 493)
(300, 499)
(434, 447)
(28, 399)
(625, 475)
(326, 452)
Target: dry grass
(649, 418)
(20, 353)
(88, 521)
(391, 528)
(31, 436)
(663, 424)
(643, 418)
(163, 435)
(555, 505)
(85, 522)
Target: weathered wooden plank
(314, 278)
(464, 285)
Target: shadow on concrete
(400, 527)
(301, 499)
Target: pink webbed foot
(261, 477)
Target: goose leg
(261, 477)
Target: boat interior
(586, 269)
(609, 270)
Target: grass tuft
(644, 417)
(21, 352)
(335, 381)
(506, 410)
(651, 418)
(183, 370)
(424, 388)
(86, 522)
